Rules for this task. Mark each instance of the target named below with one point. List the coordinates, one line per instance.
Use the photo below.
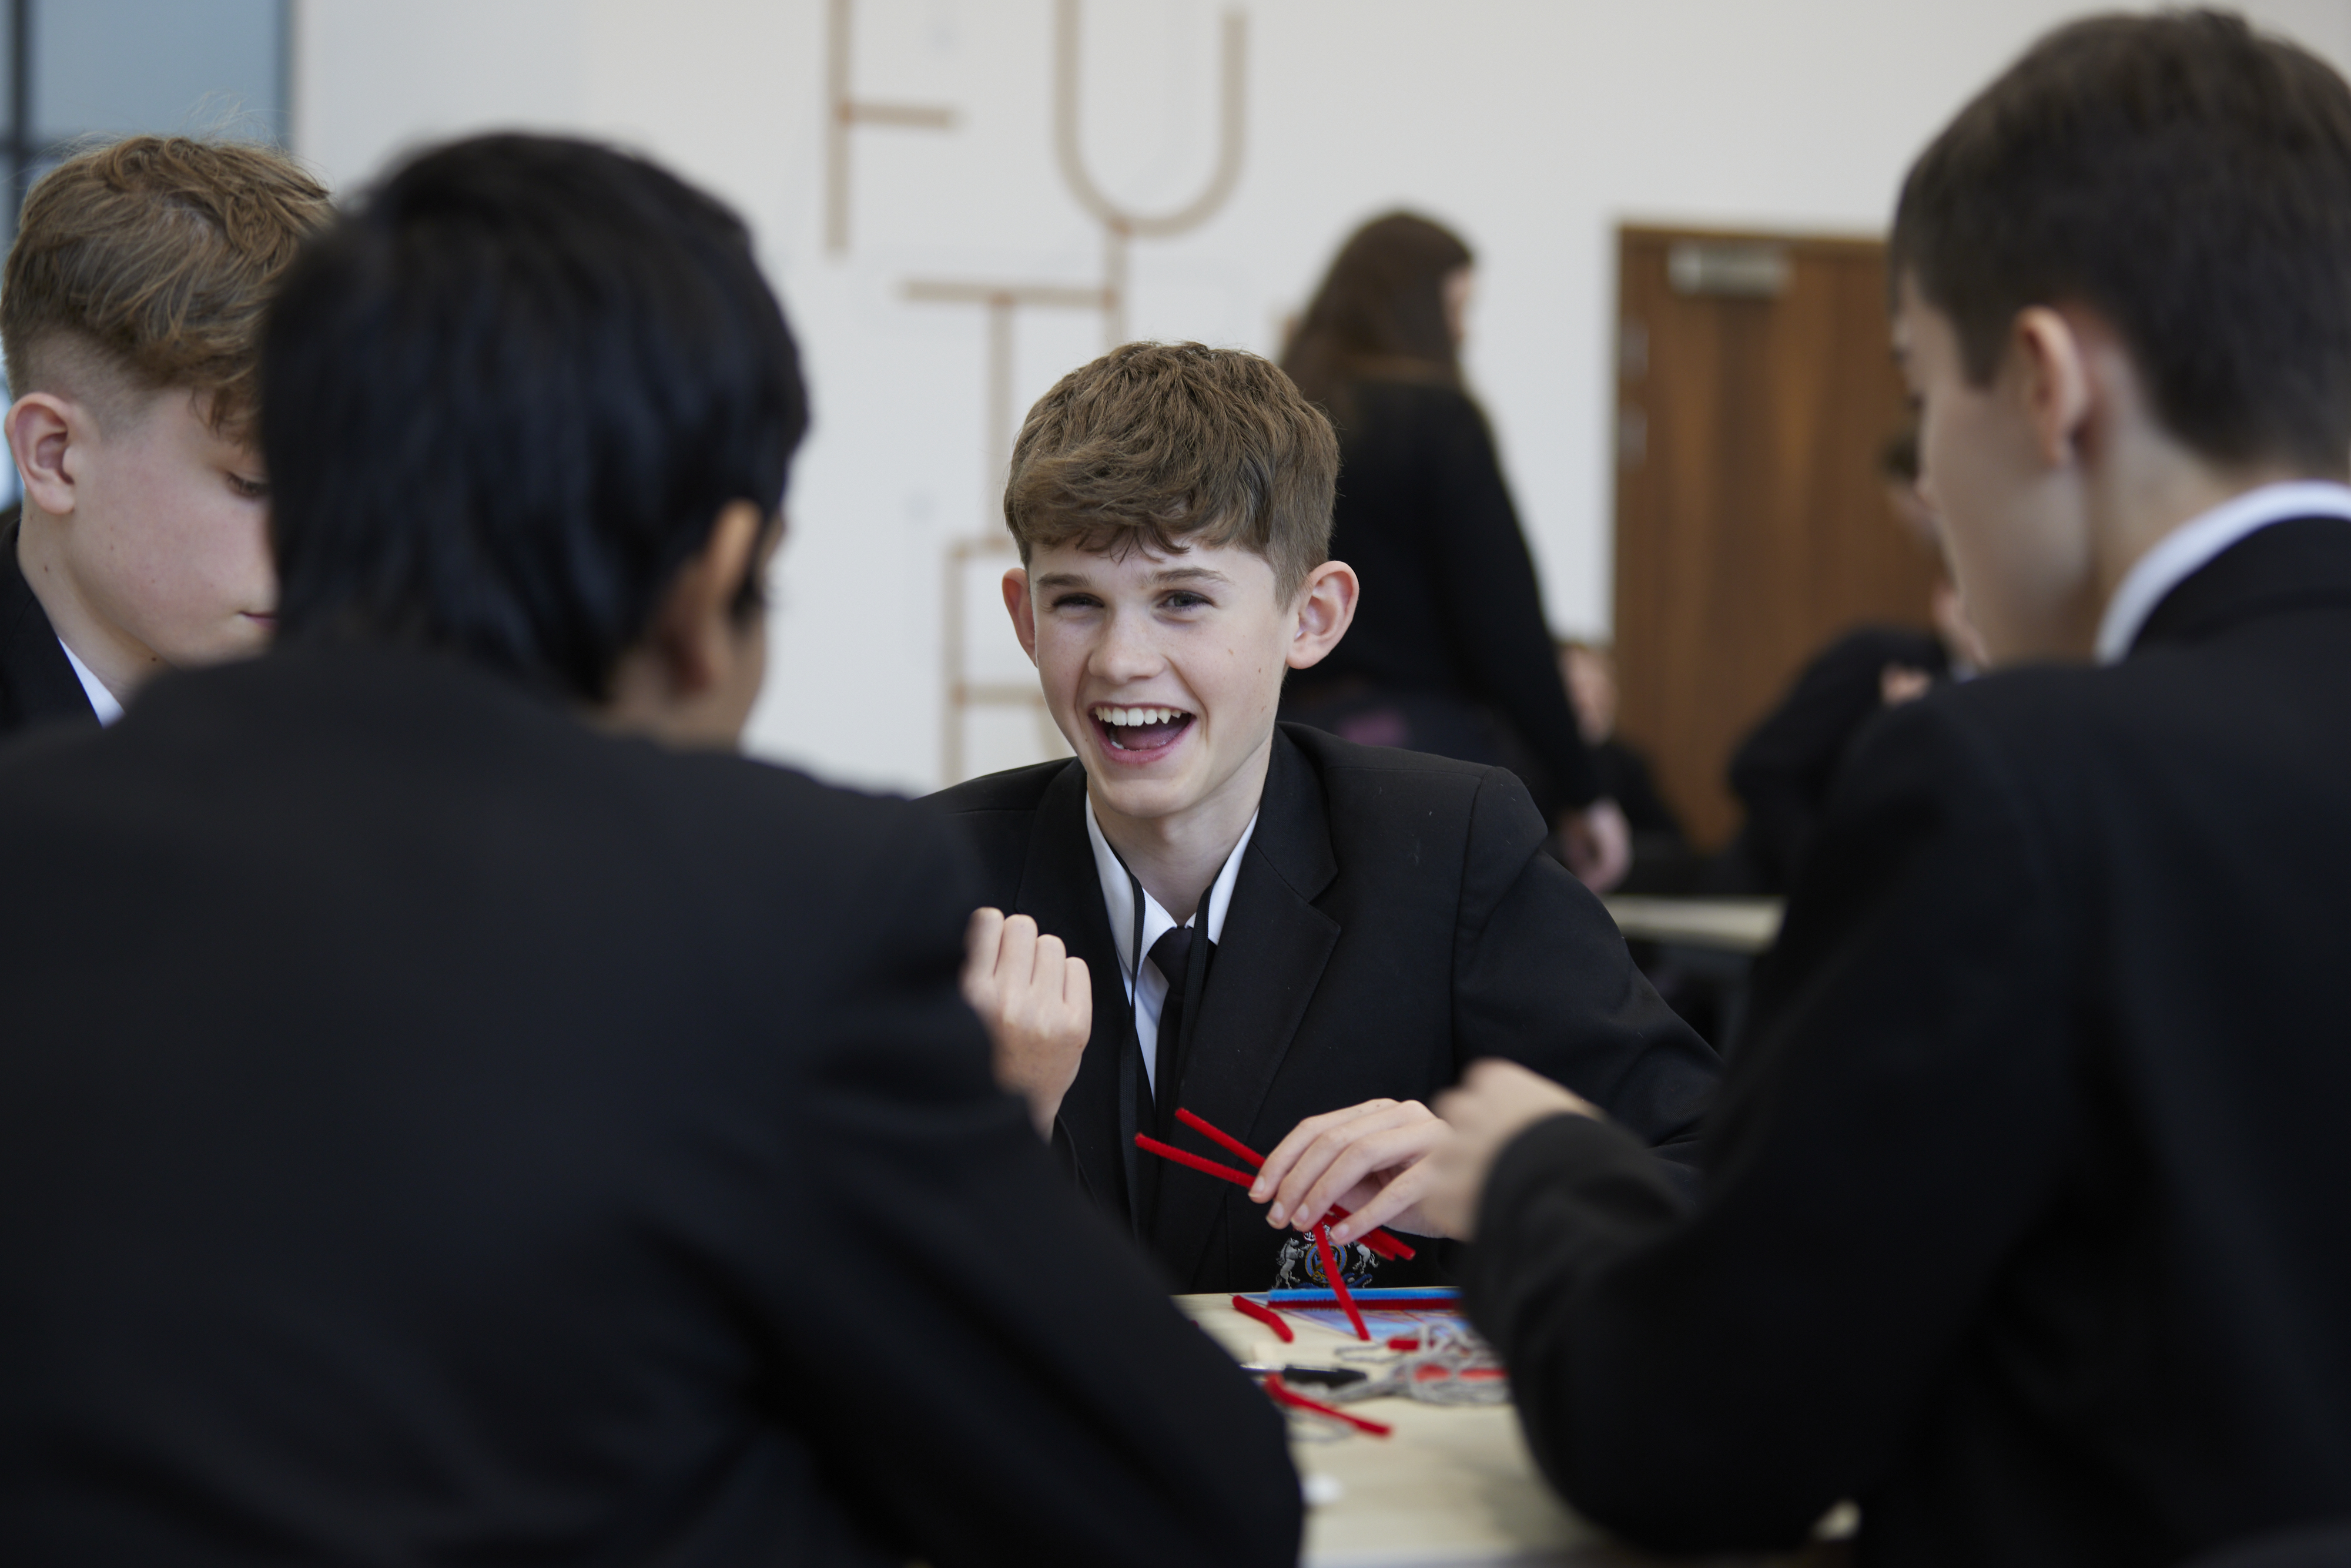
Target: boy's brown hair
(155, 256)
(1157, 444)
(2187, 179)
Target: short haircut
(2186, 179)
(508, 398)
(151, 259)
(1159, 445)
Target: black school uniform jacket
(2027, 1213)
(1393, 920)
(1783, 770)
(37, 685)
(434, 1132)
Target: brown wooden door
(1755, 390)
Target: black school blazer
(1395, 920)
(433, 1131)
(2027, 1218)
(37, 684)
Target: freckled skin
(1202, 632)
(146, 533)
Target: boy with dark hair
(1294, 936)
(2024, 1222)
(501, 1138)
(131, 313)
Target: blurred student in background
(1782, 771)
(1449, 652)
(131, 315)
(1660, 847)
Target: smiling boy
(131, 314)
(2024, 1220)
(1373, 918)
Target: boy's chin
(1143, 795)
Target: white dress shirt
(102, 700)
(1148, 990)
(2189, 548)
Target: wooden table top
(1731, 925)
(1453, 1485)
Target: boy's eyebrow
(1170, 574)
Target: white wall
(1533, 126)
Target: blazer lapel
(1061, 890)
(1276, 944)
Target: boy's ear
(2057, 387)
(1325, 609)
(696, 628)
(42, 429)
(1023, 610)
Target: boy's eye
(1182, 600)
(250, 489)
(1076, 602)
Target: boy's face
(166, 523)
(2010, 499)
(1164, 672)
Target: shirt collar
(102, 700)
(2186, 549)
(1119, 890)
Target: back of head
(509, 396)
(1158, 446)
(150, 260)
(1380, 309)
(2191, 182)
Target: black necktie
(1186, 969)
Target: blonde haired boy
(1373, 918)
(130, 311)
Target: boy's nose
(1127, 649)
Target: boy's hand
(1899, 683)
(1598, 842)
(1038, 1003)
(1367, 1157)
(1496, 1102)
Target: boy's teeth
(1134, 715)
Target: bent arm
(1541, 977)
(1717, 1381)
(987, 1364)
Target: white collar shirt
(2189, 549)
(1148, 990)
(102, 700)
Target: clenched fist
(1038, 1003)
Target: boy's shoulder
(1378, 794)
(1014, 789)
(1392, 769)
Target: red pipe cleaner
(1338, 1281)
(1379, 1240)
(1151, 1145)
(1265, 1315)
(1225, 1140)
(1282, 1393)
